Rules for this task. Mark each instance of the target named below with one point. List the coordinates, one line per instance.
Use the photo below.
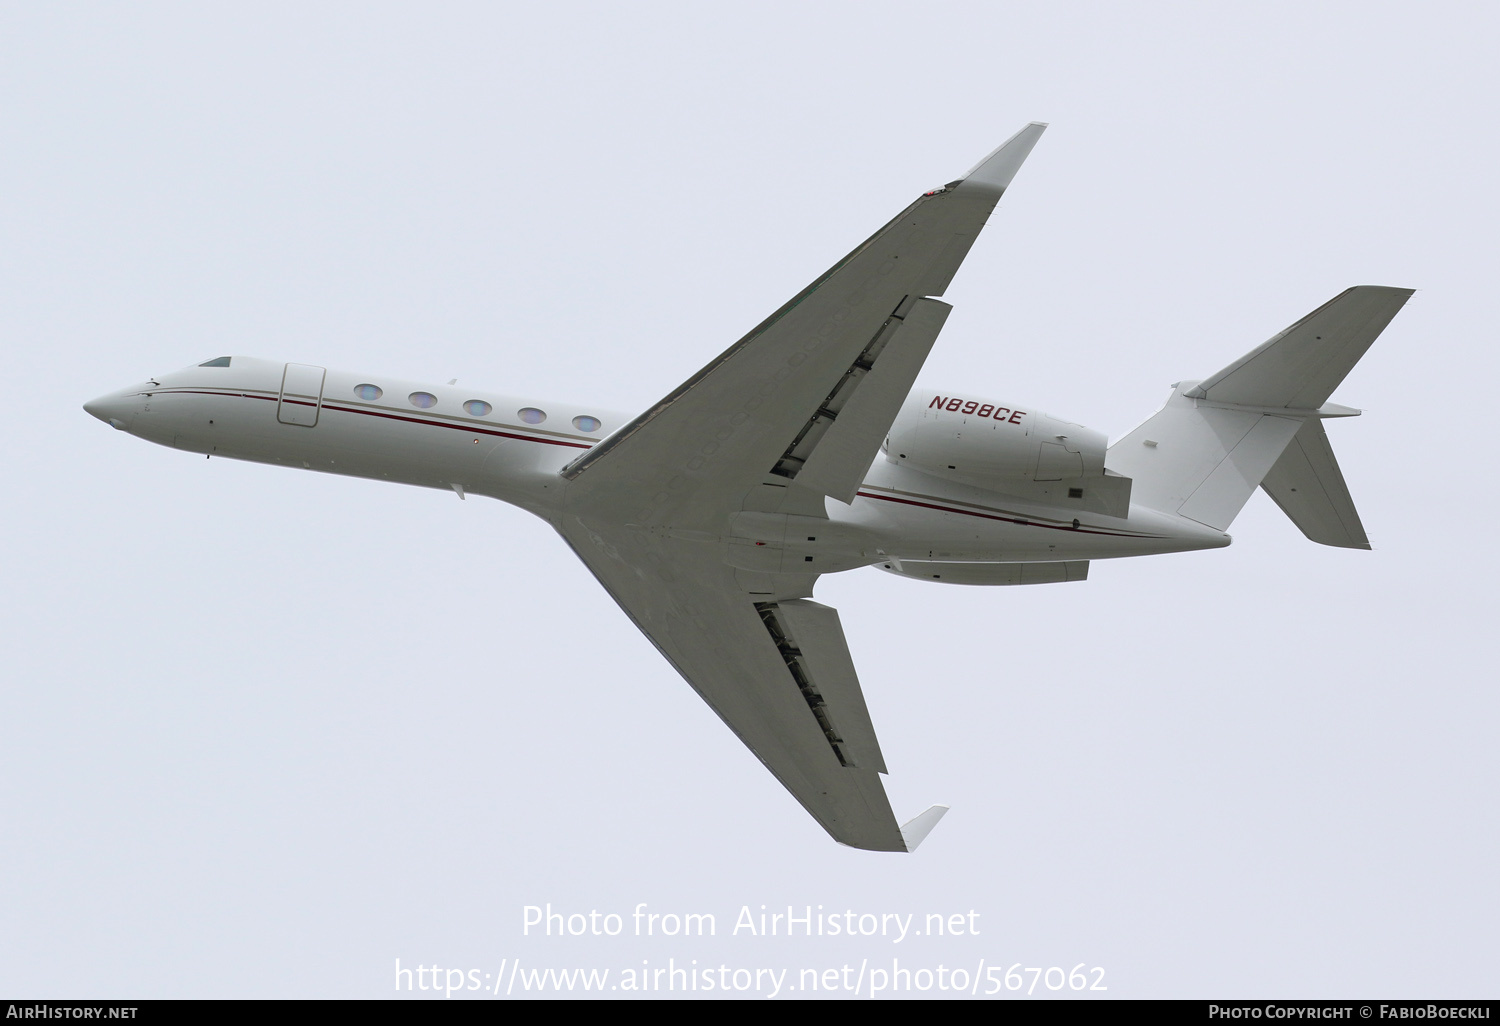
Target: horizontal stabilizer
(1309, 487)
(1257, 421)
(915, 831)
(1300, 367)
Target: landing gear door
(301, 395)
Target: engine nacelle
(953, 435)
(1001, 447)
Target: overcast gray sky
(267, 732)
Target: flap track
(828, 411)
(770, 615)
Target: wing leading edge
(797, 409)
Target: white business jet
(707, 516)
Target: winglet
(995, 172)
(915, 831)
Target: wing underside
(847, 348)
(793, 412)
(777, 671)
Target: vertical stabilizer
(1201, 462)
(1215, 441)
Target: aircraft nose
(108, 408)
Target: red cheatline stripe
(470, 428)
(476, 429)
(473, 429)
(1009, 520)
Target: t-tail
(1258, 423)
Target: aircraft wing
(808, 395)
(778, 673)
(794, 411)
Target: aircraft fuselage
(480, 443)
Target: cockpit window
(222, 361)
